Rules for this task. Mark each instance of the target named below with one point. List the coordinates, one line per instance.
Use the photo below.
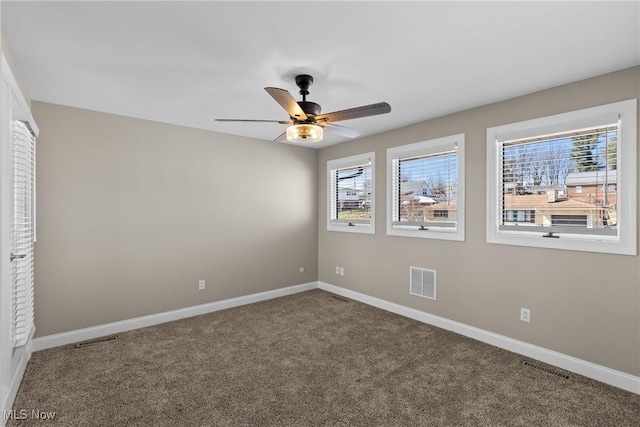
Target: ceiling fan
(305, 120)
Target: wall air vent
(422, 282)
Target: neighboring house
(351, 198)
(513, 188)
(537, 209)
(420, 204)
(597, 187)
(415, 189)
(422, 212)
(443, 211)
(348, 194)
(560, 191)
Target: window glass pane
(353, 193)
(567, 180)
(427, 189)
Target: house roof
(452, 204)
(425, 200)
(412, 187)
(541, 201)
(537, 189)
(591, 178)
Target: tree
(612, 153)
(558, 165)
(517, 164)
(584, 152)
(537, 165)
(437, 185)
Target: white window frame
(625, 113)
(342, 163)
(437, 145)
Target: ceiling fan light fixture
(304, 133)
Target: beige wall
(582, 304)
(132, 213)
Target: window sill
(435, 233)
(601, 244)
(355, 228)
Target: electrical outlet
(201, 284)
(337, 270)
(342, 271)
(525, 315)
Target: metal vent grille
(547, 370)
(95, 341)
(422, 282)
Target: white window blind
(561, 183)
(23, 233)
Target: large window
(351, 194)
(425, 196)
(566, 181)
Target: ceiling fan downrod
(304, 82)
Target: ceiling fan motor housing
(311, 109)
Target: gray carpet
(308, 359)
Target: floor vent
(423, 282)
(547, 370)
(340, 298)
(96, 341)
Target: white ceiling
(187, 63)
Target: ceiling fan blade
(282, 137)
(288, 102)
(341, 130)
(282, 122)
(355, 113)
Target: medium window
(351, 194)
(426, 189)
(565, 181)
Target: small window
(351, 194)
(425, 196)
(566, 181)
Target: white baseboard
(591, 370)
(70, 337)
